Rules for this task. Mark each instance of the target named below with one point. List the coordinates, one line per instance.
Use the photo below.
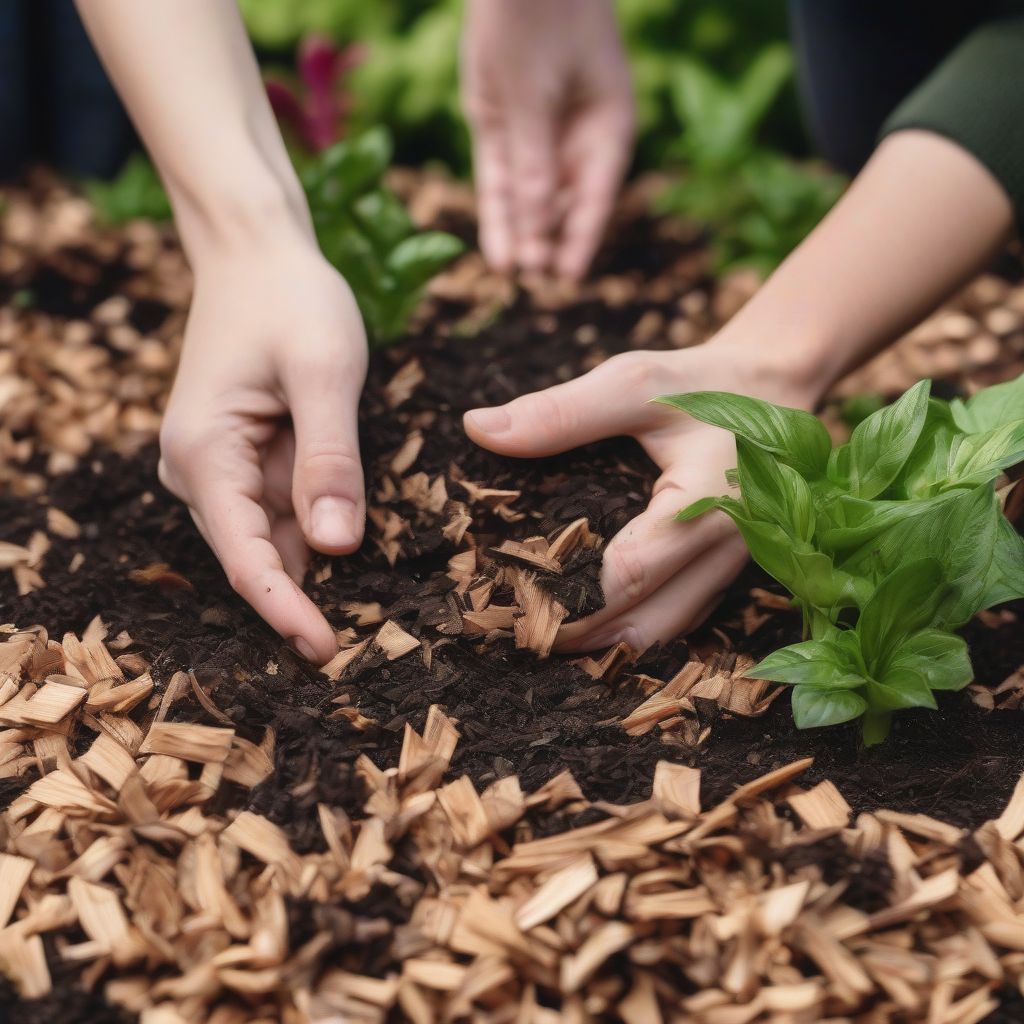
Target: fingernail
(332, 521)
(302, 648)
(491, 421)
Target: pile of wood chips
(773, 906)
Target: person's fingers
(650, 550)
(608, 401)
(287, 537)
(678, 606)
(327, 480)
(491, 176)
(223, 485)
(597, 157)
(530, 139)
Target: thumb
(327, 480)
(596, 405)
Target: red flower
(318, 113)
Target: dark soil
(517, 713)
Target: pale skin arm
(921, 219)
(260, 437)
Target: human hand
(273, 333)
(660, 578)
(548, 97)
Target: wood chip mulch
(772, 905)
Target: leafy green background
(715, 97)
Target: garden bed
(426, 890)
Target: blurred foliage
(409, 80)
(136, 192)
(759, 203)
(365, 231)
(714, 90)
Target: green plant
(136, 192)
(362, 227)
(760, 204)
(365, 231)
(887, 543)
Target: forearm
(920, 220)
(188, 77)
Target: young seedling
(887, 543)
(369, 237)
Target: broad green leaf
(978, 458)
(816, 663)
(349, 168)
(774, 491)
(904, 603)
(880, 445)
(926, 468)
(384, 220)
(847, 523)
(792, 435)
(959, 530)
(1005, 580)
(808, 574)
(416, 260)
(813, 708)
(939, 657)
(903, 689)
(991, 407)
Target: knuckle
(332, 457)
(626, 568)
(633, 371)
(554, 420)
(179, 444)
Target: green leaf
(1005, 580)
(813, 708)
(991, 407)
(774, 491)
(815, 663)
(795, 437)
(958, 528)
(384, 220)
(905, 602)
(881, 444)
(416, 260)
(350, 168)
(938, 657)
(901, 689)
(697, 508)
(978, 458)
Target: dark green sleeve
(976, 98)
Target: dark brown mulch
(517, 713)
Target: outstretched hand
(260, 437)
(660, 577)
(547, 93)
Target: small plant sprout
(887, 544)
(366, 233)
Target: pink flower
(317, 113)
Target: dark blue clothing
(56, 104)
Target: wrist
(256, 209)
(785, 364)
